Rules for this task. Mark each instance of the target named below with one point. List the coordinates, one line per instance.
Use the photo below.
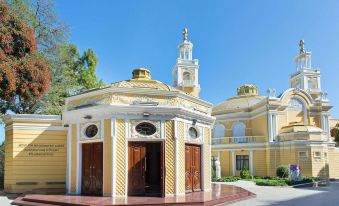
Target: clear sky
(236, 41)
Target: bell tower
(185, 71)
(306, 77)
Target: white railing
(187, 82)
(238, 140)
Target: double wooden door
(92, 167)
(139, 168)
(192, 168)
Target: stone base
(220, 194)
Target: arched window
(218, 132)
(187, 76)
(239, 129)
(297, 111)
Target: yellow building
(260, 133)
(133, 137)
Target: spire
(185, 34)
(302, 46)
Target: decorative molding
(188, 138)
(135, 134)
(31, 118)
(36, 127)
(97, 137)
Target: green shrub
(227, 179)
(244, 173)
(267, 182)
(283, 171)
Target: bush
(244, 173)
(227, 179)
(283, 171)
(268, 182)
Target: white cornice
(139, 91)
(107, 111)
(32, 118)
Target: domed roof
(295, 128)
(247, 97)
(240, 102)
(141, 79)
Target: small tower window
(187, 76)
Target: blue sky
(236, 41)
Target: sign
(41, 149)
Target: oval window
(145, 128)
(193, 133)
(91, 131)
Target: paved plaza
(287, 196)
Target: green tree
(70, 72)
(73, 74)
(86, 71)
(335, 133)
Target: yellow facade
(35, 154)
(274, 131)
(111, 119)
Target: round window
(193, 133)
(145, 128)
(91, 131)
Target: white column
(233, 163)
(251, 163)
(78, 175)
(328, 131)
(270, 133)
(69, 163)
(176, 156)
(274, 126)
(318, 82)
(113, 136)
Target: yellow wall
(120, 158)
(35, 158)
(333, 156)
(169, 159)
(107, 152)
(207, 159)
(74, 151)
(181, 158)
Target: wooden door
(196, 168)
(92, 169)
(136, 168)
(188, 168)
(97, 168)
(192, 168)
(86, 185)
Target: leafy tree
(335, 133)
(73, 74)
(86, 70)
(70, 72)
(41, 17)
(24, 75)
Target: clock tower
(185, 71)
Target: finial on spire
(302, 46)
(185, 34)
